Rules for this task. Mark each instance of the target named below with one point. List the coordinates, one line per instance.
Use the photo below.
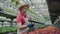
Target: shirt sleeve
(18, 20)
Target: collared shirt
(21, 18)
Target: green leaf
(13, 0)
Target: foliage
(7, 29)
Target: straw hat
(22, 5)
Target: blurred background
(43, 13)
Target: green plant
(7, 29)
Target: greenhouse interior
(45, 14)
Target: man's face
(24, 9)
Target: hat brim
(20, 8)
(24, 6)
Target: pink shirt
(21, 18)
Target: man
(22, 19)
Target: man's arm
(21, 26)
